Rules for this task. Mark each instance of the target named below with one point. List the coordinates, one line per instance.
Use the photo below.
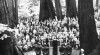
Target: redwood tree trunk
(15, 12)
(3, 12)
(87, 26)
(7, 12)
(58, 9)
(71, 10)
(46, 10)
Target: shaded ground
(74, 52)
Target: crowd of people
(30, 32)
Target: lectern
(54, 47)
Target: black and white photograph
(49, 27)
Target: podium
(54, 47)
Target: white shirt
(28, 43)
(34, 31)
(33, 40)
(27, 37)
(24, 41)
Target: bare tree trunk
(15, 12)
(46, 10)
(58, 9)
(71, 10)
(87, 26)
(7, 12)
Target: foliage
(28, 8)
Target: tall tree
(3, 12)
(87, 26)
(58, 9)
(7, 13)
(46, 10)
(71, 10)
(15, 11)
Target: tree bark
(15, 12)
(46, 10)
(6, 12)
(3, 12)
(71, 10)
(87, 26)
(58, 9)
